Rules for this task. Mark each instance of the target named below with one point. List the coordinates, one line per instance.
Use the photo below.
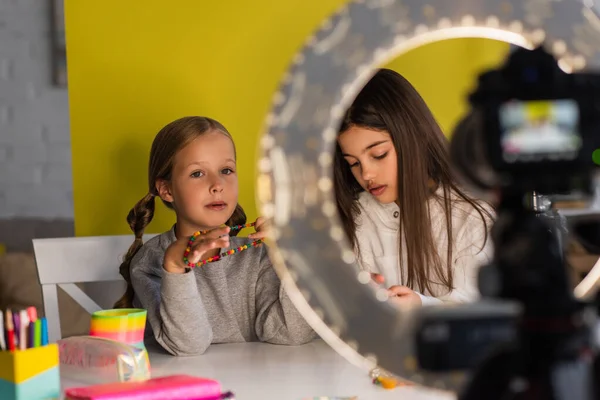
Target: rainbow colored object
(125, 325)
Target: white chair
(63, 262)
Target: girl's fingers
(262, 229)
(399, 291)
(377, 278)
(258, 235)
(200, 247)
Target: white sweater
(378, 242)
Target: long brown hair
(167, 143)
(390, 103)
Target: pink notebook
(175, 387)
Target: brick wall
(35, 153)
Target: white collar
(385, 215)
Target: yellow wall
(135, 66)
(445, 72)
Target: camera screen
(539, 130)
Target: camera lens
(530, 75)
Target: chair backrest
(63, 262)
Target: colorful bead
(229, 252)
(386, 380)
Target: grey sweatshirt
(236, 299)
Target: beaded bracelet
(229, 252)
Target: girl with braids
(409, 222)
(235, 299)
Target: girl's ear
(163, 187)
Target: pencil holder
(31, 374)
(125, 325)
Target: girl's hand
(377, 278)
(377, 281)
(173, 261)
(404, 296)
(262, 227)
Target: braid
(138, 219)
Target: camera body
(532, 129)
(541, 124)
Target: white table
(259, 371)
